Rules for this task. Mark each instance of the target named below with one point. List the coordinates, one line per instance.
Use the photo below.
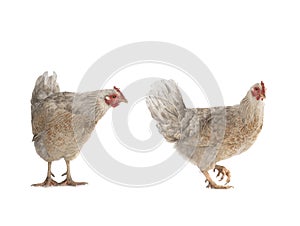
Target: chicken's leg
(212, 184)
(69, 181)
(49, 181)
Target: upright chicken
(207, 135)
(63, 121)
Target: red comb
(117, 89)
(263, 87)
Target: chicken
(206, 136)
(63, 121)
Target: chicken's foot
(212, 184)
(222, 171)
(48, 181)
(69, 181)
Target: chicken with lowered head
(63, 121)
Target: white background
(241, 43)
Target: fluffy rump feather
(165, 103)
(44, 86)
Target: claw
(47, 183)
(213, 185)
(222, 171)
(70, 182)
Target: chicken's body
(63, 121)
(206, 135)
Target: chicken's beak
(123, 99)
(263, 96)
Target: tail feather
(167, 107)
(45, 86)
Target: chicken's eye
(256, 88)
(114, 96)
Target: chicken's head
(258, 91)
(115, 97)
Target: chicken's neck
(251, 109)
(92, 105)
(100, 109)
